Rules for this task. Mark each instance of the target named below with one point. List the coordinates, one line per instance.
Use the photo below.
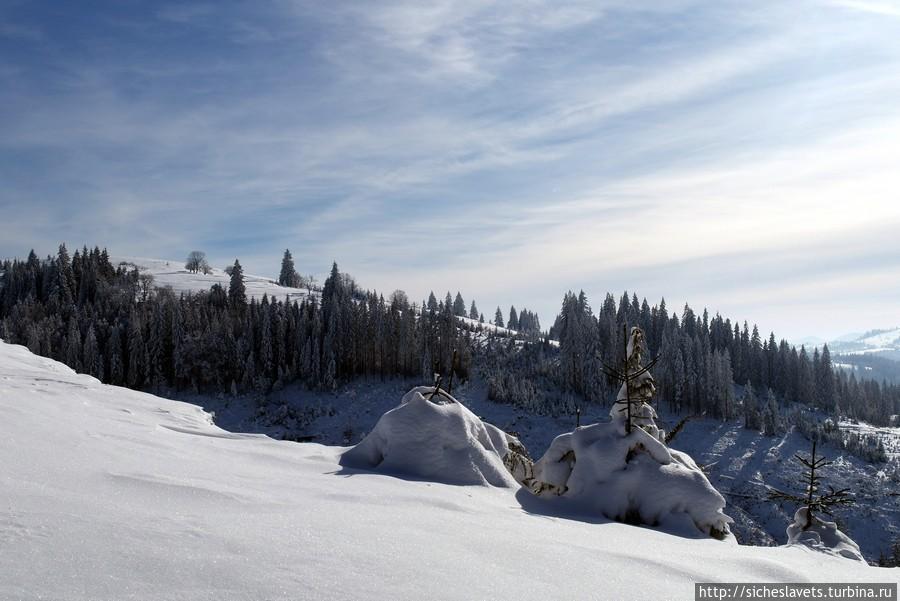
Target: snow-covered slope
(109, 493)
(883, 341)
(744, 465)
(172, 274)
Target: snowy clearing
(172, 274)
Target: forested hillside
(111, 321)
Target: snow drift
(431, 435)
(821, 536)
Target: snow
(622, 469)
(631, 477)
(745, 465)
(821, 536)
(433, 436)
(109, 493)
(740, 463)
(881, 338)
(172, 274)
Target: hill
(112, 493)
(172, 274)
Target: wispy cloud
(887, 8)
(511, 150)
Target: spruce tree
(498, 318)
(513, 323)
(137, 352)
(459, 306)
(288, 276)
(90, 357)
(237, 292)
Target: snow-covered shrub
(821, 536)
(435, 437)
(623, 469)
(632, 478)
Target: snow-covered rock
(822, 536)
(434, 437)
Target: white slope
(107, 493)
(172, 274)
(881, 338)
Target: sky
(740, 156)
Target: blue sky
(742, 156)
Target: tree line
(111, 321)
(701, 358)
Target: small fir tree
(813, 500)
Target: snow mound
(822, 536)
(434, 437)
(623, 469)
(631, 478)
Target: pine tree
(771, 419)
(114, 350)
(752, 415)
(137, 353)
(237, 292)
(473, 312)
(73, 345)
(64, 287)
(498, 318)
(90, 356)
(513, 323)
(459, 306)
(288, 276)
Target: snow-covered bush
(821, 536)
(435, 437)
(623, 469)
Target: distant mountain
(874, 354)
(880, 341)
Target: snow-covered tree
(623, 468)
(752, 415)
(632, 407)
(771, 416)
